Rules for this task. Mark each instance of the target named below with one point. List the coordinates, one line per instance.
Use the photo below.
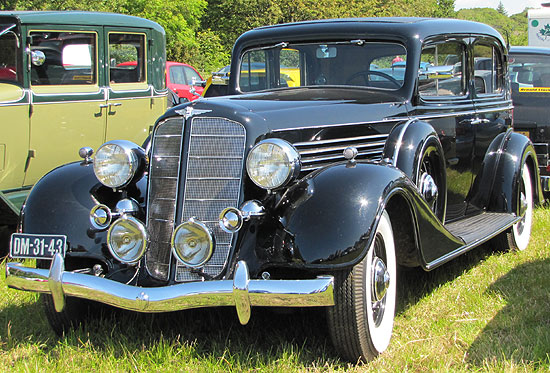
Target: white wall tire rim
(522, 230)
(380, 334)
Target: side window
(192, 76)
(253, 74)
(8, 58)
(126, 58)
(440, 71)
(488, 69)
(62, 58)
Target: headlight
(127, 239)
(272, 163)
(117, 162)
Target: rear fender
(516, 151)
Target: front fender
(60, 203)
(328, 218)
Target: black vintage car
(344, 149)
(530, 83)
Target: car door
(444, 101)
(68, 102)
(131, 96)
(492, 103)
(14, 106)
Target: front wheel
(361, 321)
(517, 237)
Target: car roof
(529, 50)
(79, 18)
(396, 28)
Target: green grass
(486, 310)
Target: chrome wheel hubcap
(380, 279)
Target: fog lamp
(127, 239)
(193, 243)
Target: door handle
(109, 105)
(479, 121)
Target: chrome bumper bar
(240, 292)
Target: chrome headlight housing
(117, 162)
(272, 163)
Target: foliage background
(202, 32)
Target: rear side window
(126, 58)
(440, 70)
(63, 58)
(488, 69)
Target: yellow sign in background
(534, 89)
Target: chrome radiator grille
(163, 190)
(321, 153)
(212, 182)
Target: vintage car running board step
(474, 231)
(479, 227)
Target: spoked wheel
(361, 321)
(517, 237)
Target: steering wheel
(365, 74)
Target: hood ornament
(189, 112)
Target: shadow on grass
(519, 333)
(216, 334)
(415, 283)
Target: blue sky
(511, 6)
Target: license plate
(37, 246)
(524, 133)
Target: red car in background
(183, 80)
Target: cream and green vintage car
(64, 84)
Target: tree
(501, 9)
(513, 28)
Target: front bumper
(240, 292)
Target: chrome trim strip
(339, 156)
(385, 120)
(99, 91)
(238, 292)
(400, 139)
(341, 148)
(461, 250)
(345, 139)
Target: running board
(474, 231)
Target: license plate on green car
(37, 246)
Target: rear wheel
(361, 321)
(517, 237)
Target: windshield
(8, 56)
(529, 71)
(355, 63)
